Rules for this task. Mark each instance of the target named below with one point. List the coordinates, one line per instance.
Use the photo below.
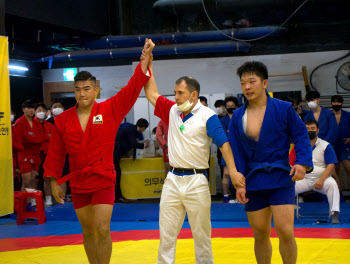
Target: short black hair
(219, 103)
(337, 99)
(41, 104)
(312, 95)
(256, 67)
(191, 83)
(28, 104)
(56, 101)
(84, 76)
(203, 99)
(231, 99)
(295, 100)
(142, 123)
(154, 130)
(311, 122)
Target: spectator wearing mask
(231, 104)
(162, 139)
(342, 143)
(203, 100)
(325, 118)
(320, 179)
(126, 140)
(297, 105)
(56, 109)
(220, 108)
(154, 150)
(30, 134)
(40, 114)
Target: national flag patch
(97, 119)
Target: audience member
(320, 179)
(203, 100)
(30, 134)
(220, 108)
(342, 143)
(162, 139)
(57, 108)
(47, 127)
(297, 105)
(231, 104)
(126, 139)
(325, 118)
(154, 150)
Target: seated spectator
(162, 139)
(324, 117)
(342, 144)
(126, 139)
(220, 108)
(154, 150)
(203, 100)
(320, 179)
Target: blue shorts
(264, 198)
(342, 153)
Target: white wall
(216, 76)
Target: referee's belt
(183, 170)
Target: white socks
(48, 199)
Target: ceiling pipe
(182, 37)
(193, 48)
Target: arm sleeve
(236, 146)
(132, 138)
(332, 132)
(162, 108)
(224, 124)
(330, 156)
(124, 100)
(160, 133)
(215, 131)
(56, 155)
(16, 139)
(298, 133)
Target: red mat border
(12, 244)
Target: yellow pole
(6, 173)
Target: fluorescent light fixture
(18, 68)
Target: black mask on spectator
(230, 110)
(296, 108)
(336, 107)
(312, 134)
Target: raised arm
(151, 89)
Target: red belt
(88, 171)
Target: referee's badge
(97, 119)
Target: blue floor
(61, 219)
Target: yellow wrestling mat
(225, 250)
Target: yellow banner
(6, 174)
(144, 178)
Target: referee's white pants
(181, 194)
(329, 188)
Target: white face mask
(312, 105)
(12, 118)
(40, 115)
(57, 111)
(154, 137)
(219, 111)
